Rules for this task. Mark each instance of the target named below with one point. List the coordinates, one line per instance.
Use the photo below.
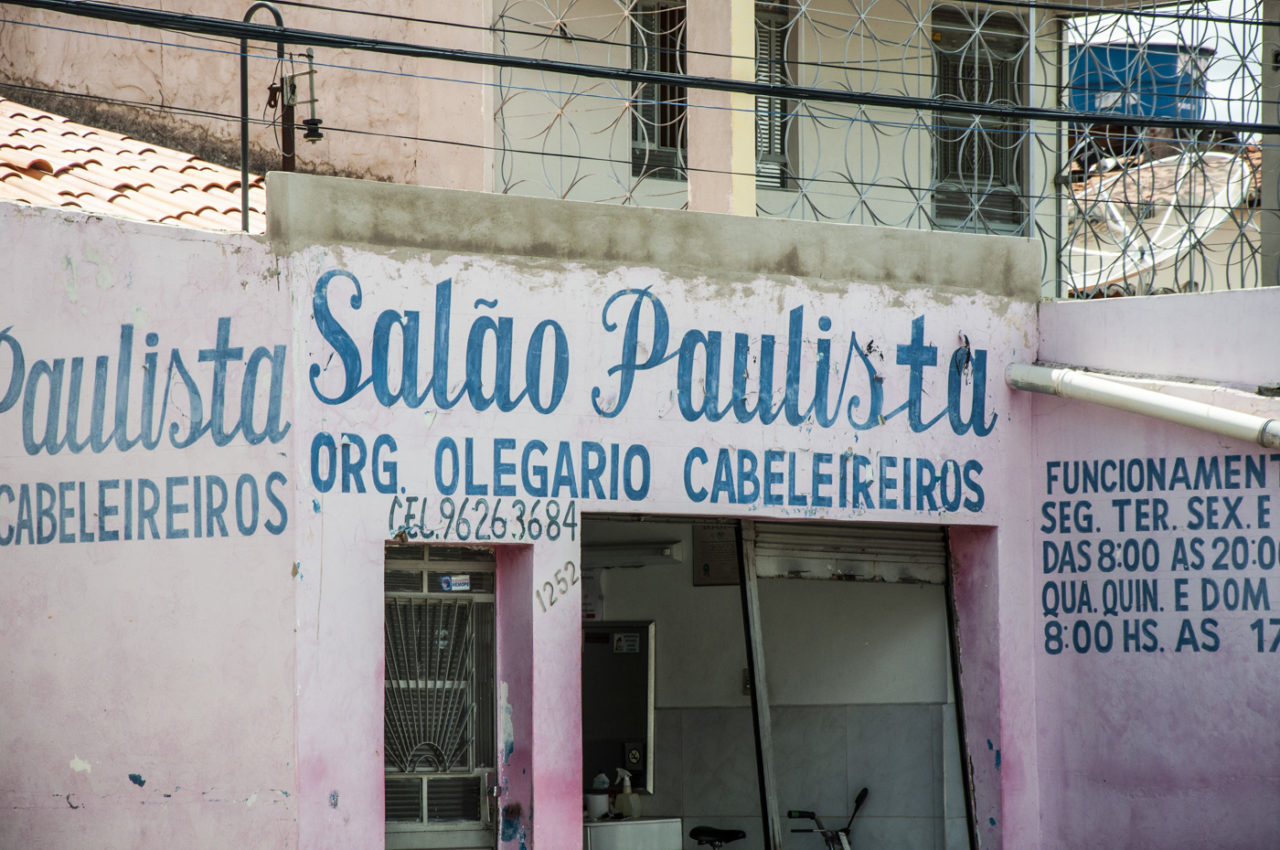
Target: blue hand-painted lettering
(56, 403)
(490, 349)
(819, 393)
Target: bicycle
(710, 836)
(836, 839)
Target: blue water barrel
(1158, 80)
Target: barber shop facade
(403, 525)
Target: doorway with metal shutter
(855, 643)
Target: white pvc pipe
(1074, 384)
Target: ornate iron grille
(1118, 209)
(438, 732)
(658, 112)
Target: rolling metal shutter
(851, 551)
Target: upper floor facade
(923, 115)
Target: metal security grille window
(773, 114)
(979, 164)
(659, 142)
(438, 732)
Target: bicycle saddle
(715, 837)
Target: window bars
(439, 728)
(978, 162)
(773, 114)
(658, 112)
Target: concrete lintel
(305, 210)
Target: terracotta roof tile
(49, 160)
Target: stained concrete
(305, 210)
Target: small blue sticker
(136, 779)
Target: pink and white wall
(147, 505)
(171, 688)
(1156, 583)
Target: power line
(553, 34)
(229, 51)
(808, 183)
(782, 6)
(258, 32)
(507, 86)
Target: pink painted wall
(516, 738)
(557, 705)
(997, 664)
(1166, 738)
(342, 537)
(278, 722)
(148, 684)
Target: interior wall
(859, 682)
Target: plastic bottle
(628, 802)
(597, 799)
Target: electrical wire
(808, 183)
(137, 104)
(798, 64)
(234, 51)
(881, 122)
(285, 35)
(827, 115)
(1154, 13)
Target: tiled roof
(51, 161)
(1164, 177)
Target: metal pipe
(288, 160)
(244, 106)
(1082, 386)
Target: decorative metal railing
(1166, 194)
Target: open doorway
(857, 648)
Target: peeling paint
(136, 779)
(513, 823)
(508, 726)
(253, 798)
(333, 799)
(79, 765)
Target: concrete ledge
(305, 210)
